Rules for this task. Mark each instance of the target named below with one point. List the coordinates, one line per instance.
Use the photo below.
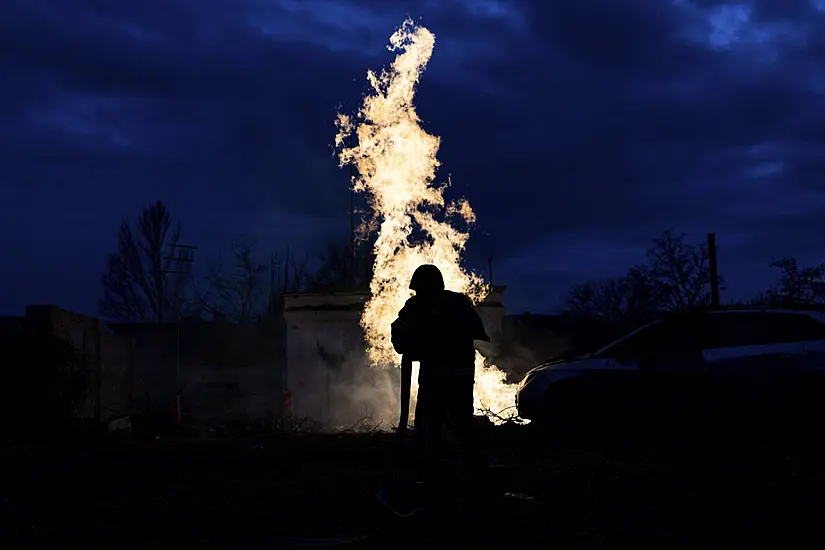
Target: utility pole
(271, 305)
(714, 271)
(286, 271)
(182, 256)
(490, 266)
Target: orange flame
(396, 162)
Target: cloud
(578, 128)
(654, 118)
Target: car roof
(815, 311)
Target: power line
(714, 271)
(182, 255)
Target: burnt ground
(280, 491)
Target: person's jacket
(438, 330)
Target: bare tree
(796, 285)
(676, 276)
(762, 298)
(137, 282)
(625, 301)
(238, 291)
(343, 269)
(642, 296)
(289, 274)
(596, 299)
(250, 286)
(681, 271)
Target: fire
(396, 162)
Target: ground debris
(320, 488)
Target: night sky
(578, 129)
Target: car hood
(582, 362)
(564, 368)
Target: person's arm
(404, 331)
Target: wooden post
(406, 390)
(714, 271)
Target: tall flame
(396, 162)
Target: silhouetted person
(437, 327)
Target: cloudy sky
(578, 129)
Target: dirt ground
(316, 490)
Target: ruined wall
(235, 376)
(215, 396)
(224, 372)
(326, 357)
(116, 362)
(106, 357)
(80, 332)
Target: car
(737, 364)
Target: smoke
(344, 392)
(361, 395)
(348, 391)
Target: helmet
(427, 278)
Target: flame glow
(396, 162)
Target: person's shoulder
(412, 301)
(411, 304)
(458, 298)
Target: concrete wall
(214, 396)
(224, 372)
(106, 357)
(116, 362)
(228, 372)
(325, 350)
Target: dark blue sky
(579, 129)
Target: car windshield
(610, 348)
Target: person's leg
(462, 419)
(428, 421)
(418, 422)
